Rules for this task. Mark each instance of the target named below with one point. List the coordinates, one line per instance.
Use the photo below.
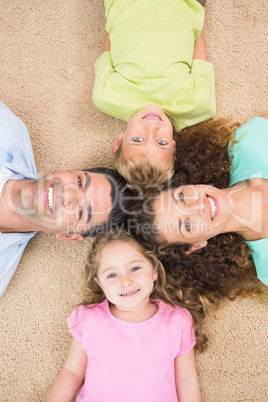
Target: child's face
(149, 132)
(126, 276)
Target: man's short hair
(120, 200)
(142, 172)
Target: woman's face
(191, 214)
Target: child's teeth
(129, 293)
(151, 117)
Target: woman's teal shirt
(249, 158)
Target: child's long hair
(187, 298)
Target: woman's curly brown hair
(201, 153)
(224, 268)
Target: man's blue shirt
(16, 162)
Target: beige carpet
(46, 77)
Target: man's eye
(135, 269)
(80, 213)
(111, 276)
(187, 225)
(79, 182)
(137, 139)
(181, 196)
(162, 142)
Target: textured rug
(46, 77)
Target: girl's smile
(131, 293)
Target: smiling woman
(204, 233)
(240, 208)
(190, 214)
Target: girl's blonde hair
(187, 298)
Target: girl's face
(191, 214)
(126, 276)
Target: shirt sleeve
(187, 338)
(14, 137)
(257, 125)
(204, 88)
(111, 90)
(16, 153)
(108, 4)
(10, 255)
(249, 153)
(75, 323)
(198, 102)
(259, 250)
(103, 69)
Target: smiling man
(71, 204)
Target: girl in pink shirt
(130, 341)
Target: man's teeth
(212, 207)
(50, 198)
(129, 293)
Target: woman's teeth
(50, 197)
(212, 207)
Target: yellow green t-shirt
(150, 61)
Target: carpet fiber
(47, 53)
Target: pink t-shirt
(131, 362)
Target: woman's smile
(213, 206)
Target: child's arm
(107, 43)
(200, 48)
(186, 378)
(71, 375)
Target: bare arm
(186, 378)
(107, 43)
(200, 48)
(265, 115)
(71, 375)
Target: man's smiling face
(66, 202)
